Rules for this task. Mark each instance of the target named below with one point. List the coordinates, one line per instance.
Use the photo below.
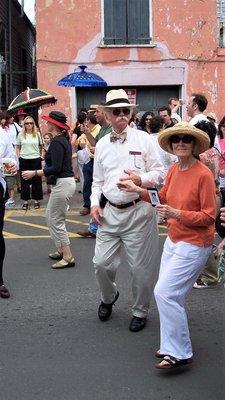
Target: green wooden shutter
(115, 22)
(138, 22)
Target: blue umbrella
(82, 79)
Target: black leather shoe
(105, 310)
(137, 324)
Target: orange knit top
(193, 192)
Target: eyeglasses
(117, 111)
(28, 123)
(185, 139)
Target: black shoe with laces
(105, 310)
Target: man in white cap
(123, 218)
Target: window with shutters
(127, 22)
(221, 17)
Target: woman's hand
(28, 175)
(128, 186)
(166, 211)
(131, 176)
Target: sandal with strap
(56, 255)
(170, 362)
(159, 355)
(25, 206)
(36, 205)
(64, 263)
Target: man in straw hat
(188, 203)
(125, 220)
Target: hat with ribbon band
(57, 118)
(118, 98)
(202, 141)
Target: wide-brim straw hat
(118, 98)
(202, 140)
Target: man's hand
(166, 211)
(28, 175)
(133, 177)
(96, 214)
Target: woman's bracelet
(35, 173)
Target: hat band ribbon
(117, 101)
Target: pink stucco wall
(185, 52)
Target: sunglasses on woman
(29, 123)
(117, 111)
(185, 139)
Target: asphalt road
(53, 347)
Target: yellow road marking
(27, 224)
(8, 214)
(10, 235)
(76, 222)
(71, 234)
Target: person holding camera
(59, 173)
(188, 203)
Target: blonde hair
(34, 130)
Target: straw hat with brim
(57, 118)
(93, 108)
(211, 115)
(183, 129)
(118, 98)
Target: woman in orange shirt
(188, 203)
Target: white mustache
(118, 119)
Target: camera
(153, 196)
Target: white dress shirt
(136, 154)
(198, 118)
(6, 150)
(166, 158)
(13, 130)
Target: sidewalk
(77, 201)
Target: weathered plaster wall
(185, 52)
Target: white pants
(61, 194)
(135, 228)
(181, 264)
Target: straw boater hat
(183, 128)
(57, 118)
(211, 115)
(117, 99)
(93, 108)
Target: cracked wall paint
(185, 51)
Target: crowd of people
(119, 158)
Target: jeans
(88, 178)
(92, 227)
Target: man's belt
(126, 205)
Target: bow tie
(114, 137)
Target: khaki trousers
(61, 194)
(135, 229)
